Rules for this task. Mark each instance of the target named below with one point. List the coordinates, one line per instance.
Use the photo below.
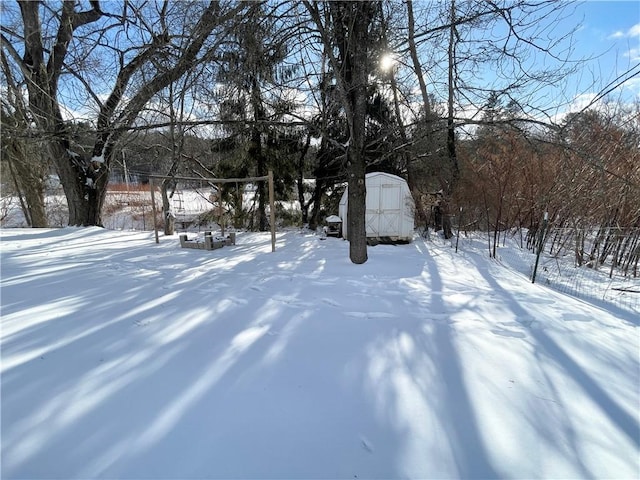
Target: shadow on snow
(151, 361)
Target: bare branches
(209, 19)
(417, 67)
(110, 65)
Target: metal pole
(540, 245)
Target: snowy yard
(126, 359)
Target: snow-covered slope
(126, 359)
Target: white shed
(390, 208)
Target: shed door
(390, 210)
(384, 210)
(373, 211)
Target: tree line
(233, 89)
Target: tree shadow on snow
(552, 357)
(238, 363)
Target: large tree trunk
(451, 135)
(356, 210)
(351, 23)
(85, 180)
(357, 76)
(84, 185)
(357, 195)
(42, 84)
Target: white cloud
(634, 31)
(633, 54)
(582, 101)
(634, 85)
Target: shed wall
(390, 208)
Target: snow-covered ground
(126, 359)
(559, 272)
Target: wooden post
(219, 181)
(272, 212)
(221, 207)
(153, 208)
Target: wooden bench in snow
(210, 242)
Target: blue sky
(610, 36)
(611, 32)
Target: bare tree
(161, 45)
(26, 165)
(345, 31)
